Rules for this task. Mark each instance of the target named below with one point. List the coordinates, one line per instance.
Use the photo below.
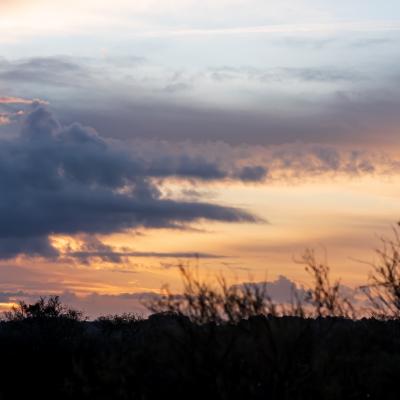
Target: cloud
(338, 118)
(117, 256)
(5, 119)
(13, 245)
(252, 173)
(36, 70)
(20, 100)
(176, 87)
(10, 297)
(286, 291)
(308, 28)
(10, 108)
(59, 179)
(194, 165)
(285, 163)
(235, 104)
(10, 111)
(282, 290)
(91, 249)
(271, 75)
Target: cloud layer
(59, 179)
(136, 97)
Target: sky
(228, 135)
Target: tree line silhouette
(214, 340)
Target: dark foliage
(383, 289)
(44, 309)
(168, 355)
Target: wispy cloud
(332, 27)
(20, 100)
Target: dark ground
(167, 356)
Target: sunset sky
(229, 134)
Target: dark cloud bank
(348, 107)
(58, 179)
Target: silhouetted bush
(325, 297)
(43, 309)
(383, 290)
(204, 302)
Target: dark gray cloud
(340, 118)
(252, 173)
(93, 249)
(59, 179)
(271, 163)
(125, 103)
(13, 245)
(117, 256)
(186, 166)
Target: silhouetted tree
(324, 296)
(219, 302)
(383, 289)
(203, 302)
(44, 308)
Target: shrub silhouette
(383, 290)
(324, 296)
(44, 308)
(204, 302)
